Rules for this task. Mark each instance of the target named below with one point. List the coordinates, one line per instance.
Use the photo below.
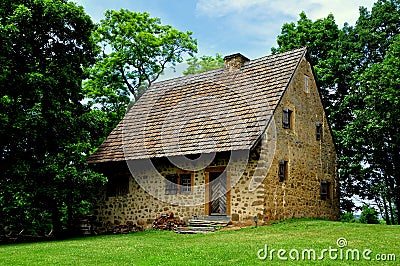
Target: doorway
(218, 193)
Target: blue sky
(249, 27)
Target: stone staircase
(204, 225)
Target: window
(118, 186)
(282, 173)
(306, 88)
(171, 184)
(185, 183)
(324, 190)
(175, 184)
(286, 116)
(318, 130)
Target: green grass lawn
(235, 247)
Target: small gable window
(286, 116)
(325, 189)
(306, 88)
(171, 185)
(282, 172)
(318, 131)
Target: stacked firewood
(167, 222)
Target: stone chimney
(235, 61)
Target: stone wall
(143, 203)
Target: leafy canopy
(45, 130)
(135, 50)
(204, 63)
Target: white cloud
(251, 26)
(220, 8)
(343, 10)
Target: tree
(203, 64)
(323, 40)
(136, 49)
(375, 131)
(45, 130)
(330, 53)
(368, 215)
(364, 150)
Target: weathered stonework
(254, 188)
(309, 160)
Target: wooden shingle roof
(215, 111)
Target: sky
(249, 27)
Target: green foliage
(45, 130)
(204, 63)
(136, 49)
(322, 37)
(368, 215)
(347, 217)
(374, 131)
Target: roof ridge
(208, 72)
(302, 48)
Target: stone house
(249, 139)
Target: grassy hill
(334, 243)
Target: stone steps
(203, 225)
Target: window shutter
(171, 184)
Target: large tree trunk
(397, 204)
(385, 207)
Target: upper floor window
(306, 84)
(283, 171)
(286, 117)
(318, 131)
(325, 190)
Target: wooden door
(217, 193)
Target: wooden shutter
(171, 184)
